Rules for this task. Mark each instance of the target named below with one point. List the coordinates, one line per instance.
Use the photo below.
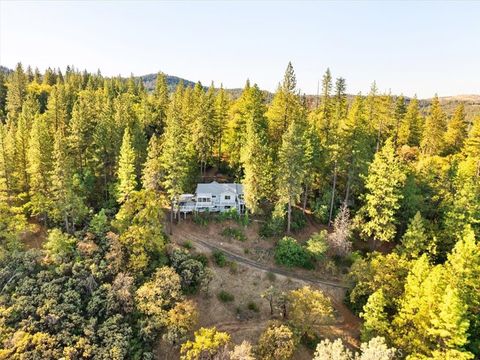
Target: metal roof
(218, 188)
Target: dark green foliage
(219, 258)
(252, 306)
(290, 253)
(190, 269)
(225, 296)
(234, 233)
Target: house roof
(217, 188)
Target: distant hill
(172, 81)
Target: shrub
(273, 227)
(233, 267)
(234, 233)
(219, 258)
(225, 296)
(202, 218)
(187, 245)
(317, 245)
(252, 306)
(271, 276)
(299, 220)
(290, 253)
(190, 269)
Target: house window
(227, 197)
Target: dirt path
(251, 263)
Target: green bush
(252, 306)
(219, 258)
(233, 214)
(275, 226)
(225, 296)
(233, 267)
(234, 233)
(290, 253)
(202, 218)
(317, 245)
(299, 220)
(187, 245)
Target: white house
(213, 197)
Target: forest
(98, 164)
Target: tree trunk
(171, 218)
(333, 192)
(289, 216)
(305, 197)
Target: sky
(407, 47)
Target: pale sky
(407, 47)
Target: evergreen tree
(284, 109)
(177, 153)
(456, 131)
(152, 171)
(472, 144)
(340, 101)
(161, 101)
(399, 114)
(17, 90)
(235, 132)
(376, 322)
(415, 241)
(256, 159)
(3, 96)
(68, 207)
(410, 129)
(433, 133)
(450, 323)
(291, 170)
(222, 105)
(203, 127)
(40, 166)
(384, 184)
(127, 179)
(25, 121)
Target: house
(213, 197)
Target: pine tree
(291, 171)
(450, 323)
(203, 128)
(256, 158)
(17, 90)
(376, 322)
(456, 131)
(40, 166)
(152, 171)
(127, 179)
(222, 105)
(472, 144)
(384, 184)
(410, 130)
(25, 121)
(356, 149)
(284, 109)
(161, 101)
(235, 131)
(433, 133)
(415, 241)
(68, 207)
(177, 153)
(57, 111)
(3, 96)
(340, 101)
(399, 114)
